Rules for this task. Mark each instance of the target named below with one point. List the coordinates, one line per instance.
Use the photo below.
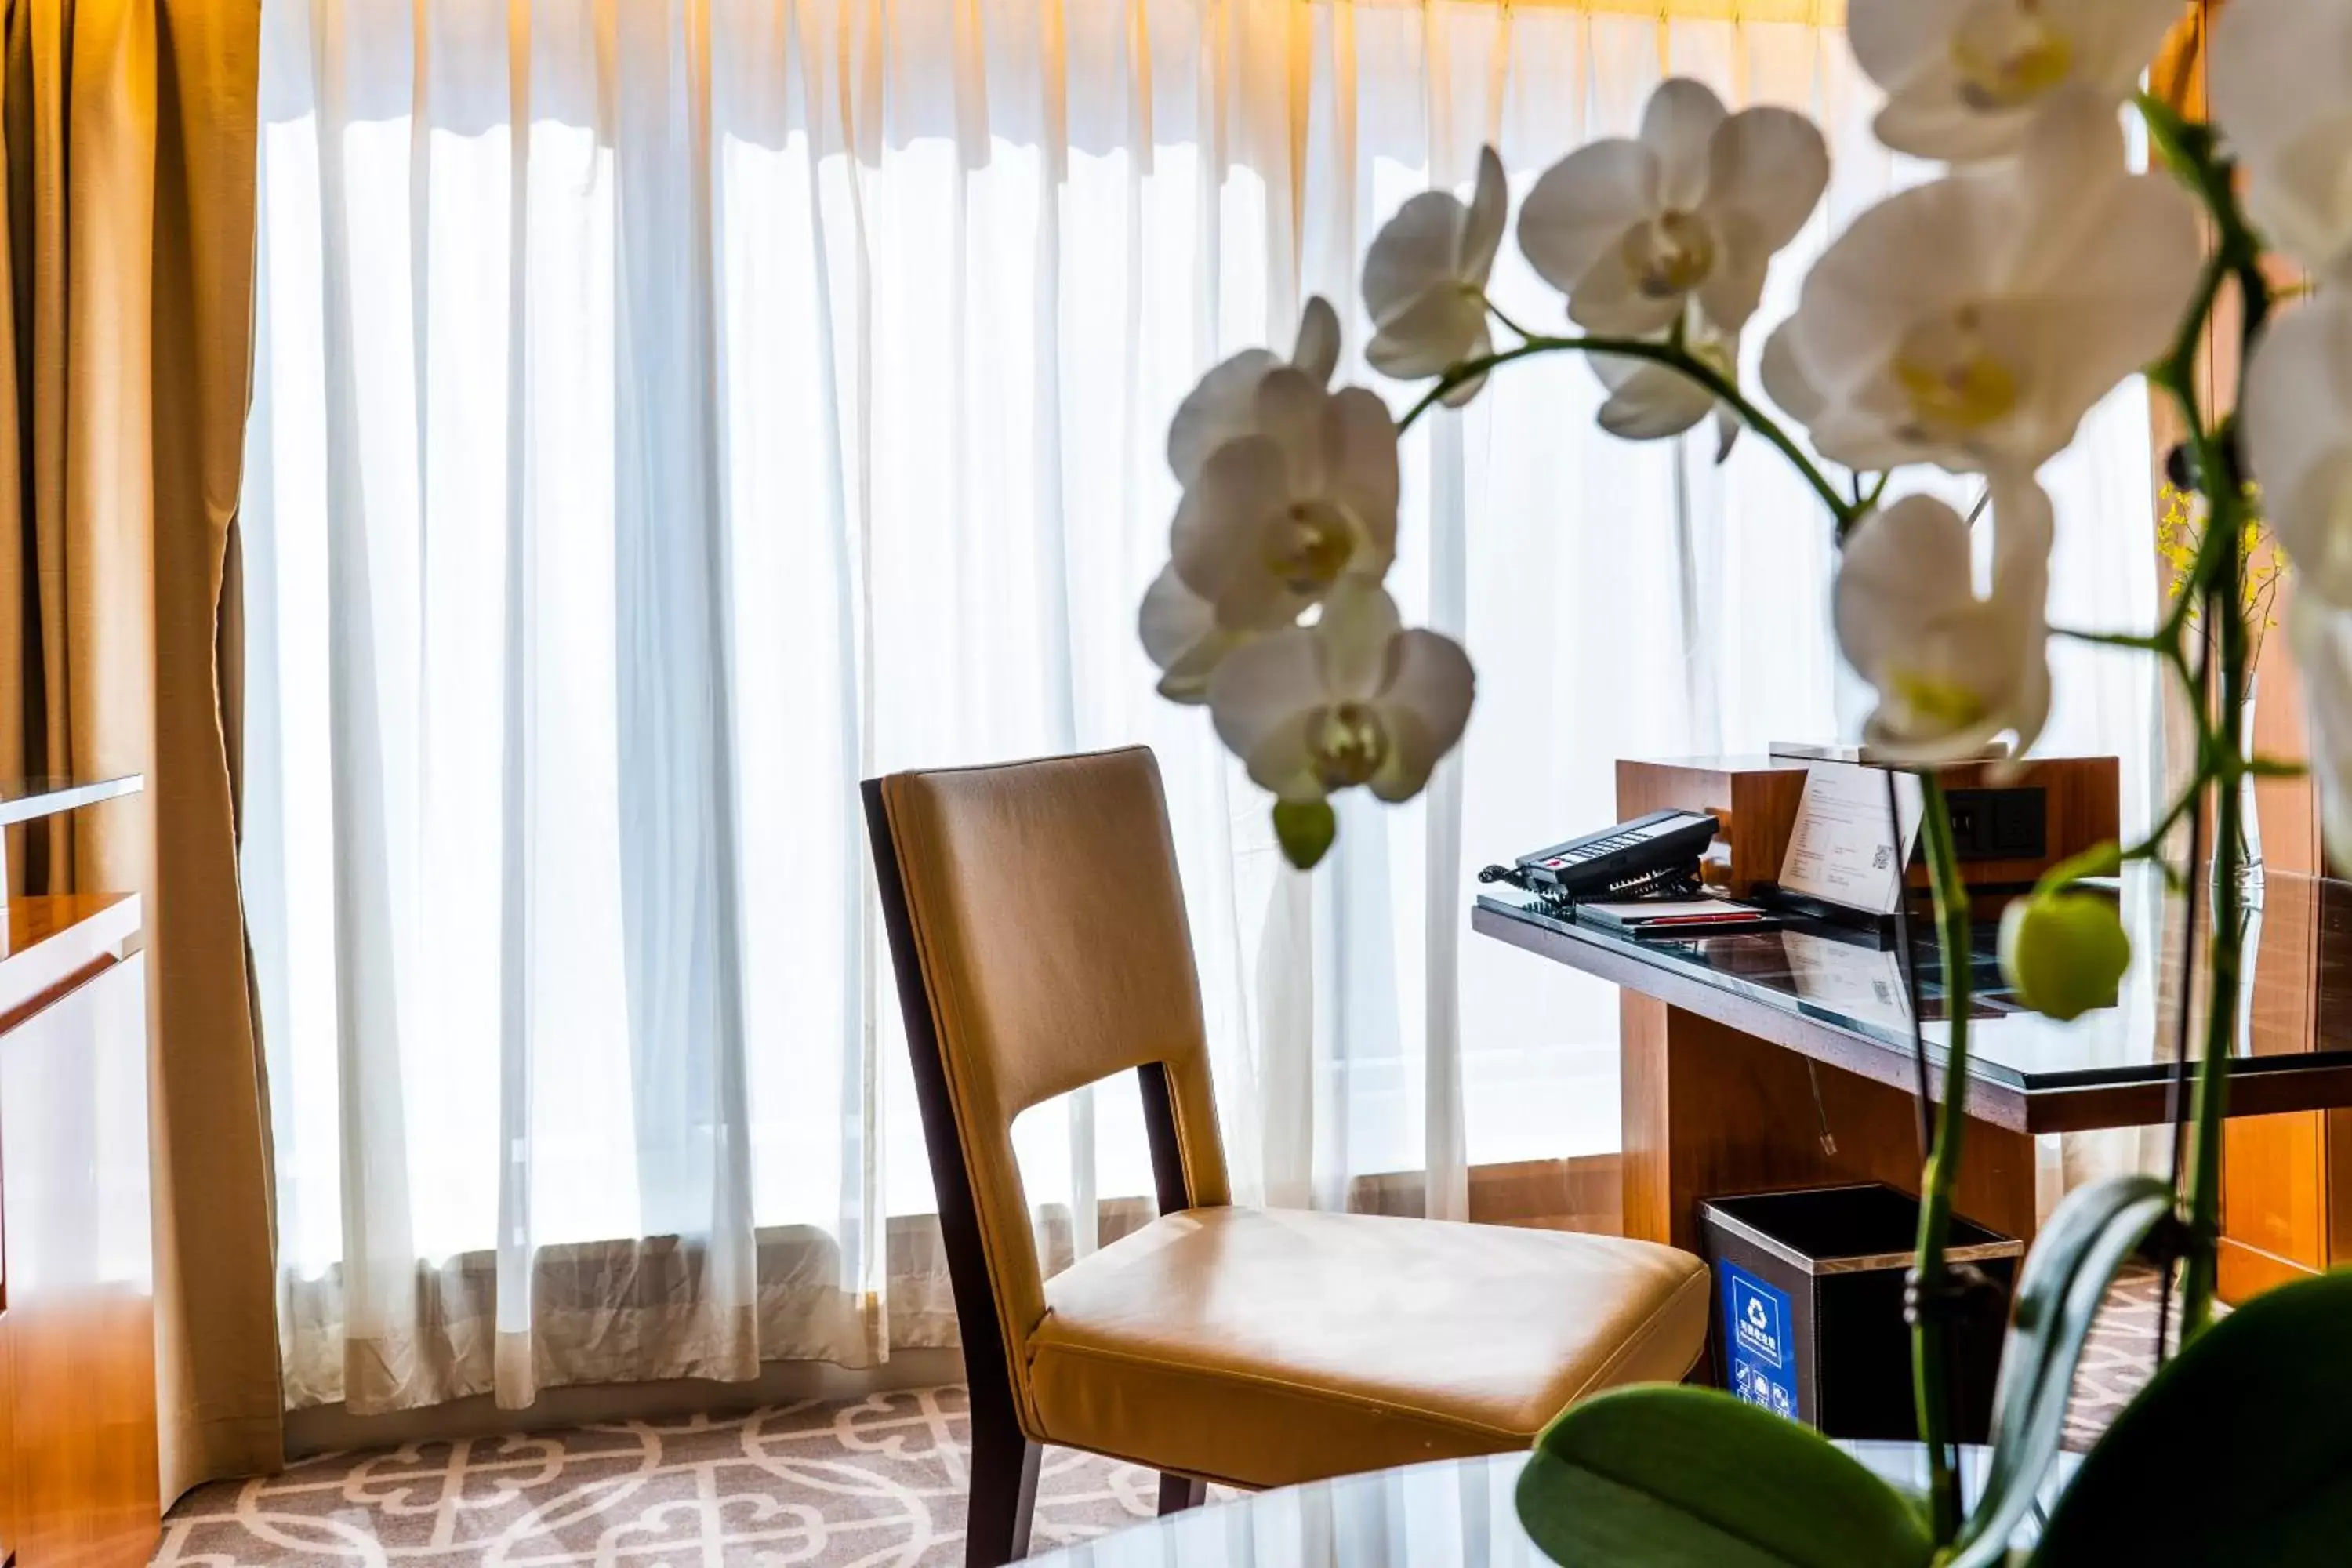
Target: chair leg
(1178, 1493)
(1004, 1492)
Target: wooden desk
(1738, 1051)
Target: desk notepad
(1843, 850)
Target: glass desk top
(1456, 1514)
(1809, 985)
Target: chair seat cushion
(1267, 1347)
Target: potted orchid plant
(1968, 323)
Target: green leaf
(2079, 1252)
(1665, 1477)
(1306, 828)
(2235, 1452)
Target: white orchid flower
(1182, 637)
(1225, 405)
(1426, 281)
(1963, 78)
(2296, 416)
(2321, 634)
(1352, 699)
(1974, 321)
(1273, 519)
(2281, 74)
(2282, 95)
(1952, 670)
(1632, 230)
(1649, 401)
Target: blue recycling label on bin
(1758, 1328)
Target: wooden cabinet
(2286, 1180)
(77, 1461)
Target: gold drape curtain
(129, 130)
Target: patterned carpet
(2117, 1356)
(879, 1481)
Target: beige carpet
(830, 1486)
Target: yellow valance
(1814, 12)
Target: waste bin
(1809, 1307)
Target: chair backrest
(1036, 923)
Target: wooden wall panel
(2271, 1204)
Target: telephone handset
(1656, 856)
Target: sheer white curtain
(669, 412)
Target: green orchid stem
(2226, 951)
(1931, 1326)
(1497, 311)
(1674, 357)
(2152, 846)
(2191, 150)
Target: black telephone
(1656, 856)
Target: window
(658, 430)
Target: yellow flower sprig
(2180, 533)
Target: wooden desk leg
(1708, 1110)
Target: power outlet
(2000, 823)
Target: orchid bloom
(1973, 322)
(1180, 628)
(1182, 637)
(1353, 699)
(1426, 281)
(1965, 78)
(1225, 405)
(2296, 415)
(1633, 230)
(1274, 519)
(2282, 90)
(1952, 670)
(2280, 75)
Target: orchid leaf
(2065, 1279)
(2234, 1453)
(1667, 1477)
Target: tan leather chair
(1038, 930)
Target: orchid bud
(2064, 952)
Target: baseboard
(1583, 1192)
(329, 1427)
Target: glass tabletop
(1456, 1514)
(2296, 1012)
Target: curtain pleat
(513, 1372)
(130, 139)
(216, 1254)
